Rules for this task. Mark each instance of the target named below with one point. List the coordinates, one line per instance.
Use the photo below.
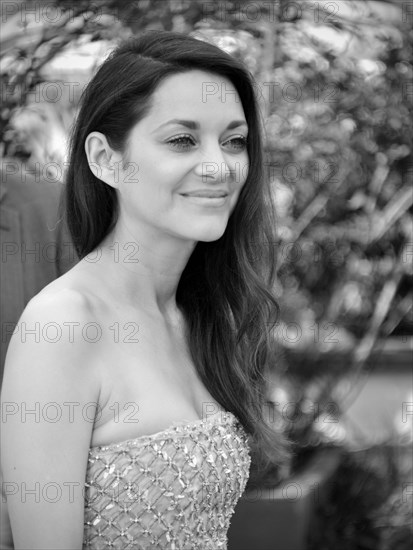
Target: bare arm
(49, 398)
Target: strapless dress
(172, 490)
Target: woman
(146, 372)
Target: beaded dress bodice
(175, 490)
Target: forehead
(197, 95)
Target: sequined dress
(173, 490)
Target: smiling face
(187, 159)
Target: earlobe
(102, 159)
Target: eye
(182, 143)
(237, 143)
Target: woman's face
(187, 159)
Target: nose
(213, 165)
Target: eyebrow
(195, 126)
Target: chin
(210, 239)
(210, 236)
(211, 233)
(204, 230)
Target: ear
(104, 162)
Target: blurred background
(335, 86)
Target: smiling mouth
(205, 195)
(207, 200)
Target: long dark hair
(225, 290)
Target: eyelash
(176, 142)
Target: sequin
(174, 490)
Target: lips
(207, 194)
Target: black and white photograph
(206, 275)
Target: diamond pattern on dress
(173, 490)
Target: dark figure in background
(35, 250)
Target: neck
(143, 270)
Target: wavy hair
(226, 289)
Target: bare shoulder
(78, 291)
(53, 309)
(48, 341)
(69, 298)
(50, 393)
(59, 300)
